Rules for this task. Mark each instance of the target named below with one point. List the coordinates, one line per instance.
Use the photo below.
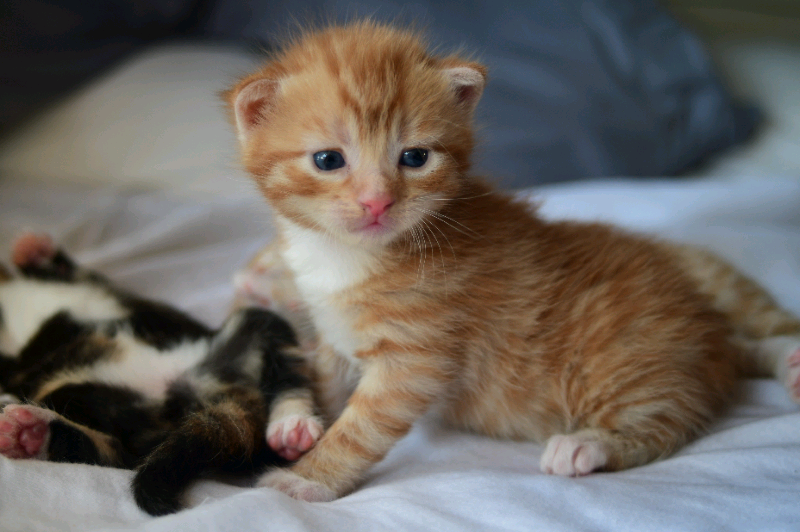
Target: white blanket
(743, 475)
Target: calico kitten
(426, 286)
(112, 379)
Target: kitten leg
(293, 428)
(24, 432)
(28, 431)
(392, 394)
(774, 356)
(593, 449)
(267, 282)
(37, 257)
(260, 281)
(782, 355)
(32, 250)
(335, 378)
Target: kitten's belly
(27, 304)
(137, 366)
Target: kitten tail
(224, 437)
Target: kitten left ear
(252, 103)
(467, 82)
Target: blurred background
(127, 89)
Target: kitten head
(358, 131)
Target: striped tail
(768, 336)
(227, 436)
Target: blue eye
(328, 160)
(414, 158)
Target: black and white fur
(104, 377)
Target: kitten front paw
(572, 456)
(293, 435)
(32, 249)
(24, 431)
(296, 486)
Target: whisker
(453, 251)
(441, 253)
(461, 198)
(441, 217)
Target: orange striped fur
(610, 347)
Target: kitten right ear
(252, 104)
(467, 81)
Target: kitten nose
(376, 205)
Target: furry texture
(111, 379)
(426, 286)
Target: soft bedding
(742, 475)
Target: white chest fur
(324, 270)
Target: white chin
(377, 236)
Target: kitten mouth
(374, 226)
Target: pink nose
(376, 205)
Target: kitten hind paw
(24, 431)
(572, 456)
(293, 435)
(32, 249)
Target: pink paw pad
(32, 249)
(293, 435)
(22, 431)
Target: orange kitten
(425, 286)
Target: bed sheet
(743, 475)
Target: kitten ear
(467, 82)
(252, 103)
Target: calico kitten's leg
(255, 339)
(37, 257)
(28, 431)
(293, 428)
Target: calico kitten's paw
(293, 435)
(571, 456)
(24, 431)
(32, 249)
(296, 486)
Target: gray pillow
(577, 88)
